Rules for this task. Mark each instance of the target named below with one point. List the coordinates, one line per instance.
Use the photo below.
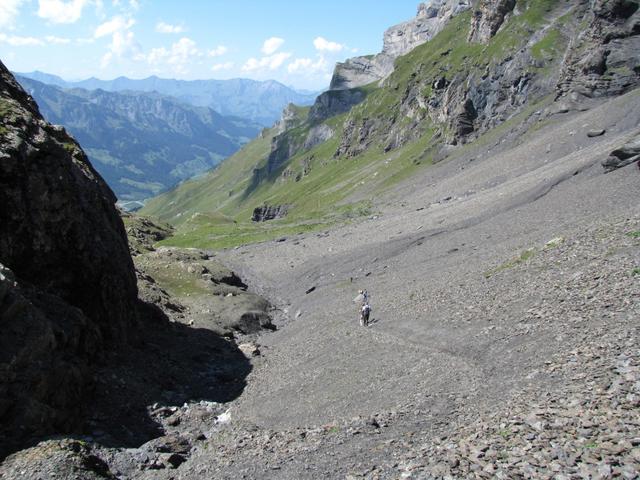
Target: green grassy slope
(214, 211)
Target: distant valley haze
(157, 93)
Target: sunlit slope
(401, 126)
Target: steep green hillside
(328, 164)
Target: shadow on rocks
(167, 365)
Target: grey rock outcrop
(269, 212)
(603, 59)
(288, 119)
(430, 19)
(318, 134)
(68, 286)
(398, 40)
(357, 71)
(623, 156)
(334, 102)
(488, 18)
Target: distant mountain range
(142, 143)
(261, 102)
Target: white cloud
(271, 62)
(57, 40)
(324, 45)
(217, 51)
(162, 27)
(114, 25)
(299, 64)
(272, 44)
(179, 56)
(9, 10)
(123, 43)
(60, 11)
(216, 67)
(307, 67)
(16, 41)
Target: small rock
(554, 242)
(596, 132)
(173, 460)
(249, 349)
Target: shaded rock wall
(59, 228)
(334, 102)
(68, 286)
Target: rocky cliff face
(68, 282)
(398, 40)
(603, 58)
(488, 17)
(489, 64)
(552, 53)
(430, 19)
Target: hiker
(364, 315)
(365, 309)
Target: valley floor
(504, 284)
(505, 287)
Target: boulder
(623, 156)
(596, 132)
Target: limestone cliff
(515, 55)
(398, 40)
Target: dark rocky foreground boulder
(623, 156)
(68, 285)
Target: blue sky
(294, 42)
